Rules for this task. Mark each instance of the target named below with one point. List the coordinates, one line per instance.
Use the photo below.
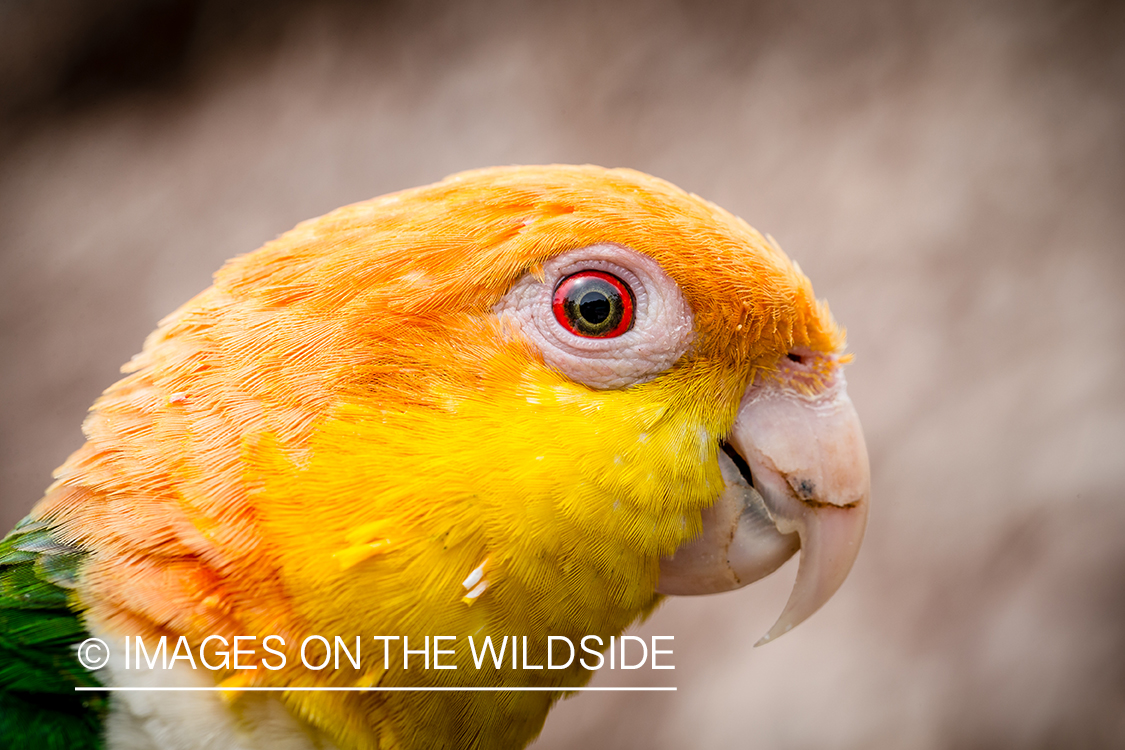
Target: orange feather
(351, 375)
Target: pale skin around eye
(662, 331)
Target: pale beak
(797, 477)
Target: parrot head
(521, 400)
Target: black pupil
(594, 307)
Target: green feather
(39, 629)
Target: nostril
(795, 358)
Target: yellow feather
(335, 436)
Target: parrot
(526, 401)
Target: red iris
(594, 304)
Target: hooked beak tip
(797, 478)
(810, 460)
(830, 542)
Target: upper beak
(798, 438)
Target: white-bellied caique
(523, 401)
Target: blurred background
(951, 175)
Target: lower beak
(797, 477)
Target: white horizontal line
(372, 689)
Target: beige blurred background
(950, 174)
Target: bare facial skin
(806, 482)
(661, 332)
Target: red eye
(594, 304)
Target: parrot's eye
(603, 315)
(594, 304)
